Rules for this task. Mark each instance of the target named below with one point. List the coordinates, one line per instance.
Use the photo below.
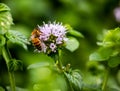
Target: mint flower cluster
(53, 36)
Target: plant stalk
(104, 86)
(59, 60)
(60, 66)
(7, 57)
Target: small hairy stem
(105, 79)
(60, 66)
(6, 56)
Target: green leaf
(111, 38)
(15, 65)
(73, 32)
(75, 79)
(114, 61)
(2, 40)
(95, 57)
(113, 35)
(76, 33)
(37, 65)
(18, 38)
(102, 54)
(5, 18)
(4, 7)
(72, 44)
(106, 44)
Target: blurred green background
(90, 17)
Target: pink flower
(53, 47)
(53, 36)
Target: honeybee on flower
(51, 37)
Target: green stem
(59, 60)
(60, 65)
(12, 80)
(104, 86)
(6, 56)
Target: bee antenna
(38, 25)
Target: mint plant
(7, 35)
(108, 51)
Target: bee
(35, 38)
